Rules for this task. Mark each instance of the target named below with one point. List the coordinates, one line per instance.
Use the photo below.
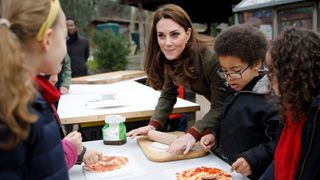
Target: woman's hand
(140, 131)
(183, 143)
(208, 141)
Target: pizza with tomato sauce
(202, 172)
(107, 163)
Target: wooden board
(162, 156)
(107, 78)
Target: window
(261, 18)
(295, 17)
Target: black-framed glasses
(233, 75)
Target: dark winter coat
(248, 126)
(78, 50)
(40, 156)
(308, 165)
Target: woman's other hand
(140, 131)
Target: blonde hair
(25, 18)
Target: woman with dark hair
(177, 55)
(294, 63)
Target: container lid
(114, 119)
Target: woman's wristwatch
(80, 156)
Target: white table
(140, 168)
(139, 102)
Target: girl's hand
(91, 157)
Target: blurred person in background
(78, 49)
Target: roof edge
(237, 8)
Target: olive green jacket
(210, 86)
(65, 73)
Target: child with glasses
(245, 135)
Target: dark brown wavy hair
(295, 64)
(189, 67)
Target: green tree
(81, 10)
(111, 51)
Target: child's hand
(208, 141)
(76, 139)
(64, 90)
(241, 166)
(91, 157)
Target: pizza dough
(203, 172)
(159, 146)
(107, 163)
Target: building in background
(273, 16)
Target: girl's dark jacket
(309, 164)
(248, 126)
(40, 156)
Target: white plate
(130, 170)
(105, 104)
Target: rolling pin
(161, 137)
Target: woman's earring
(186, 42)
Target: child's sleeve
(70, 153)
(259, 157)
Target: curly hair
(295, 63)
(243, 41)
(16, 75)
(189, 67)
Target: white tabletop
(135, 101)
(139, 167)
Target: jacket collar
(263, 86)
(259, 85)
(47, 90)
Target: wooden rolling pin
(161, 137)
